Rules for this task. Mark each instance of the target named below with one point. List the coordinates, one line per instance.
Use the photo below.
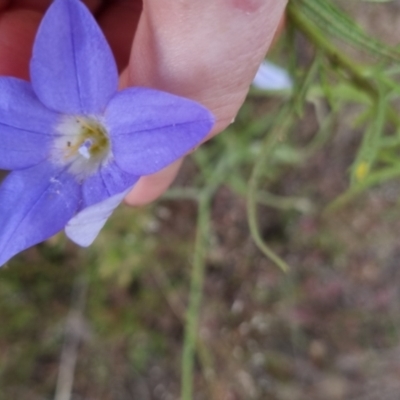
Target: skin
(206, 50)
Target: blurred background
(270, 270)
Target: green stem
(283, 122)
(332, 20)
(196, 288)
(372, 180)
(336, 57)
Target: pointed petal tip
(151, 129)
(72, 67)
(84, 227)
(35, 203)
(26, 125)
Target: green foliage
(326, 16)
(137, 271)
(372, 87)
(123, 251)
(331, 77)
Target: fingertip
(17, 32)
(151, 187)
(210, 56)
(119, 19)
(42, 5)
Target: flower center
(83, 144)
(90, 139)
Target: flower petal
(35, 204)
(26, 126)
(271, 77)
(72, 69)
(84, 227)
(109, 181)
(150, 129)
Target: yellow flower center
(91, 142)
(83, 144)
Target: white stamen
(84, 149)
(82, 143)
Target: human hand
(208, 51)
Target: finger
(4, 4)
(42, 5)
(118, 20)
(151, 187)
(208, 51)
(19, 21)
(17, 32)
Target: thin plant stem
(355, 73)
(72, 339)
(196, 289)
(283, 122)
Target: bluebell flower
(75, 145)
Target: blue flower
(76, 145)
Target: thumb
(207, 51)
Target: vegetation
(269, 270)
